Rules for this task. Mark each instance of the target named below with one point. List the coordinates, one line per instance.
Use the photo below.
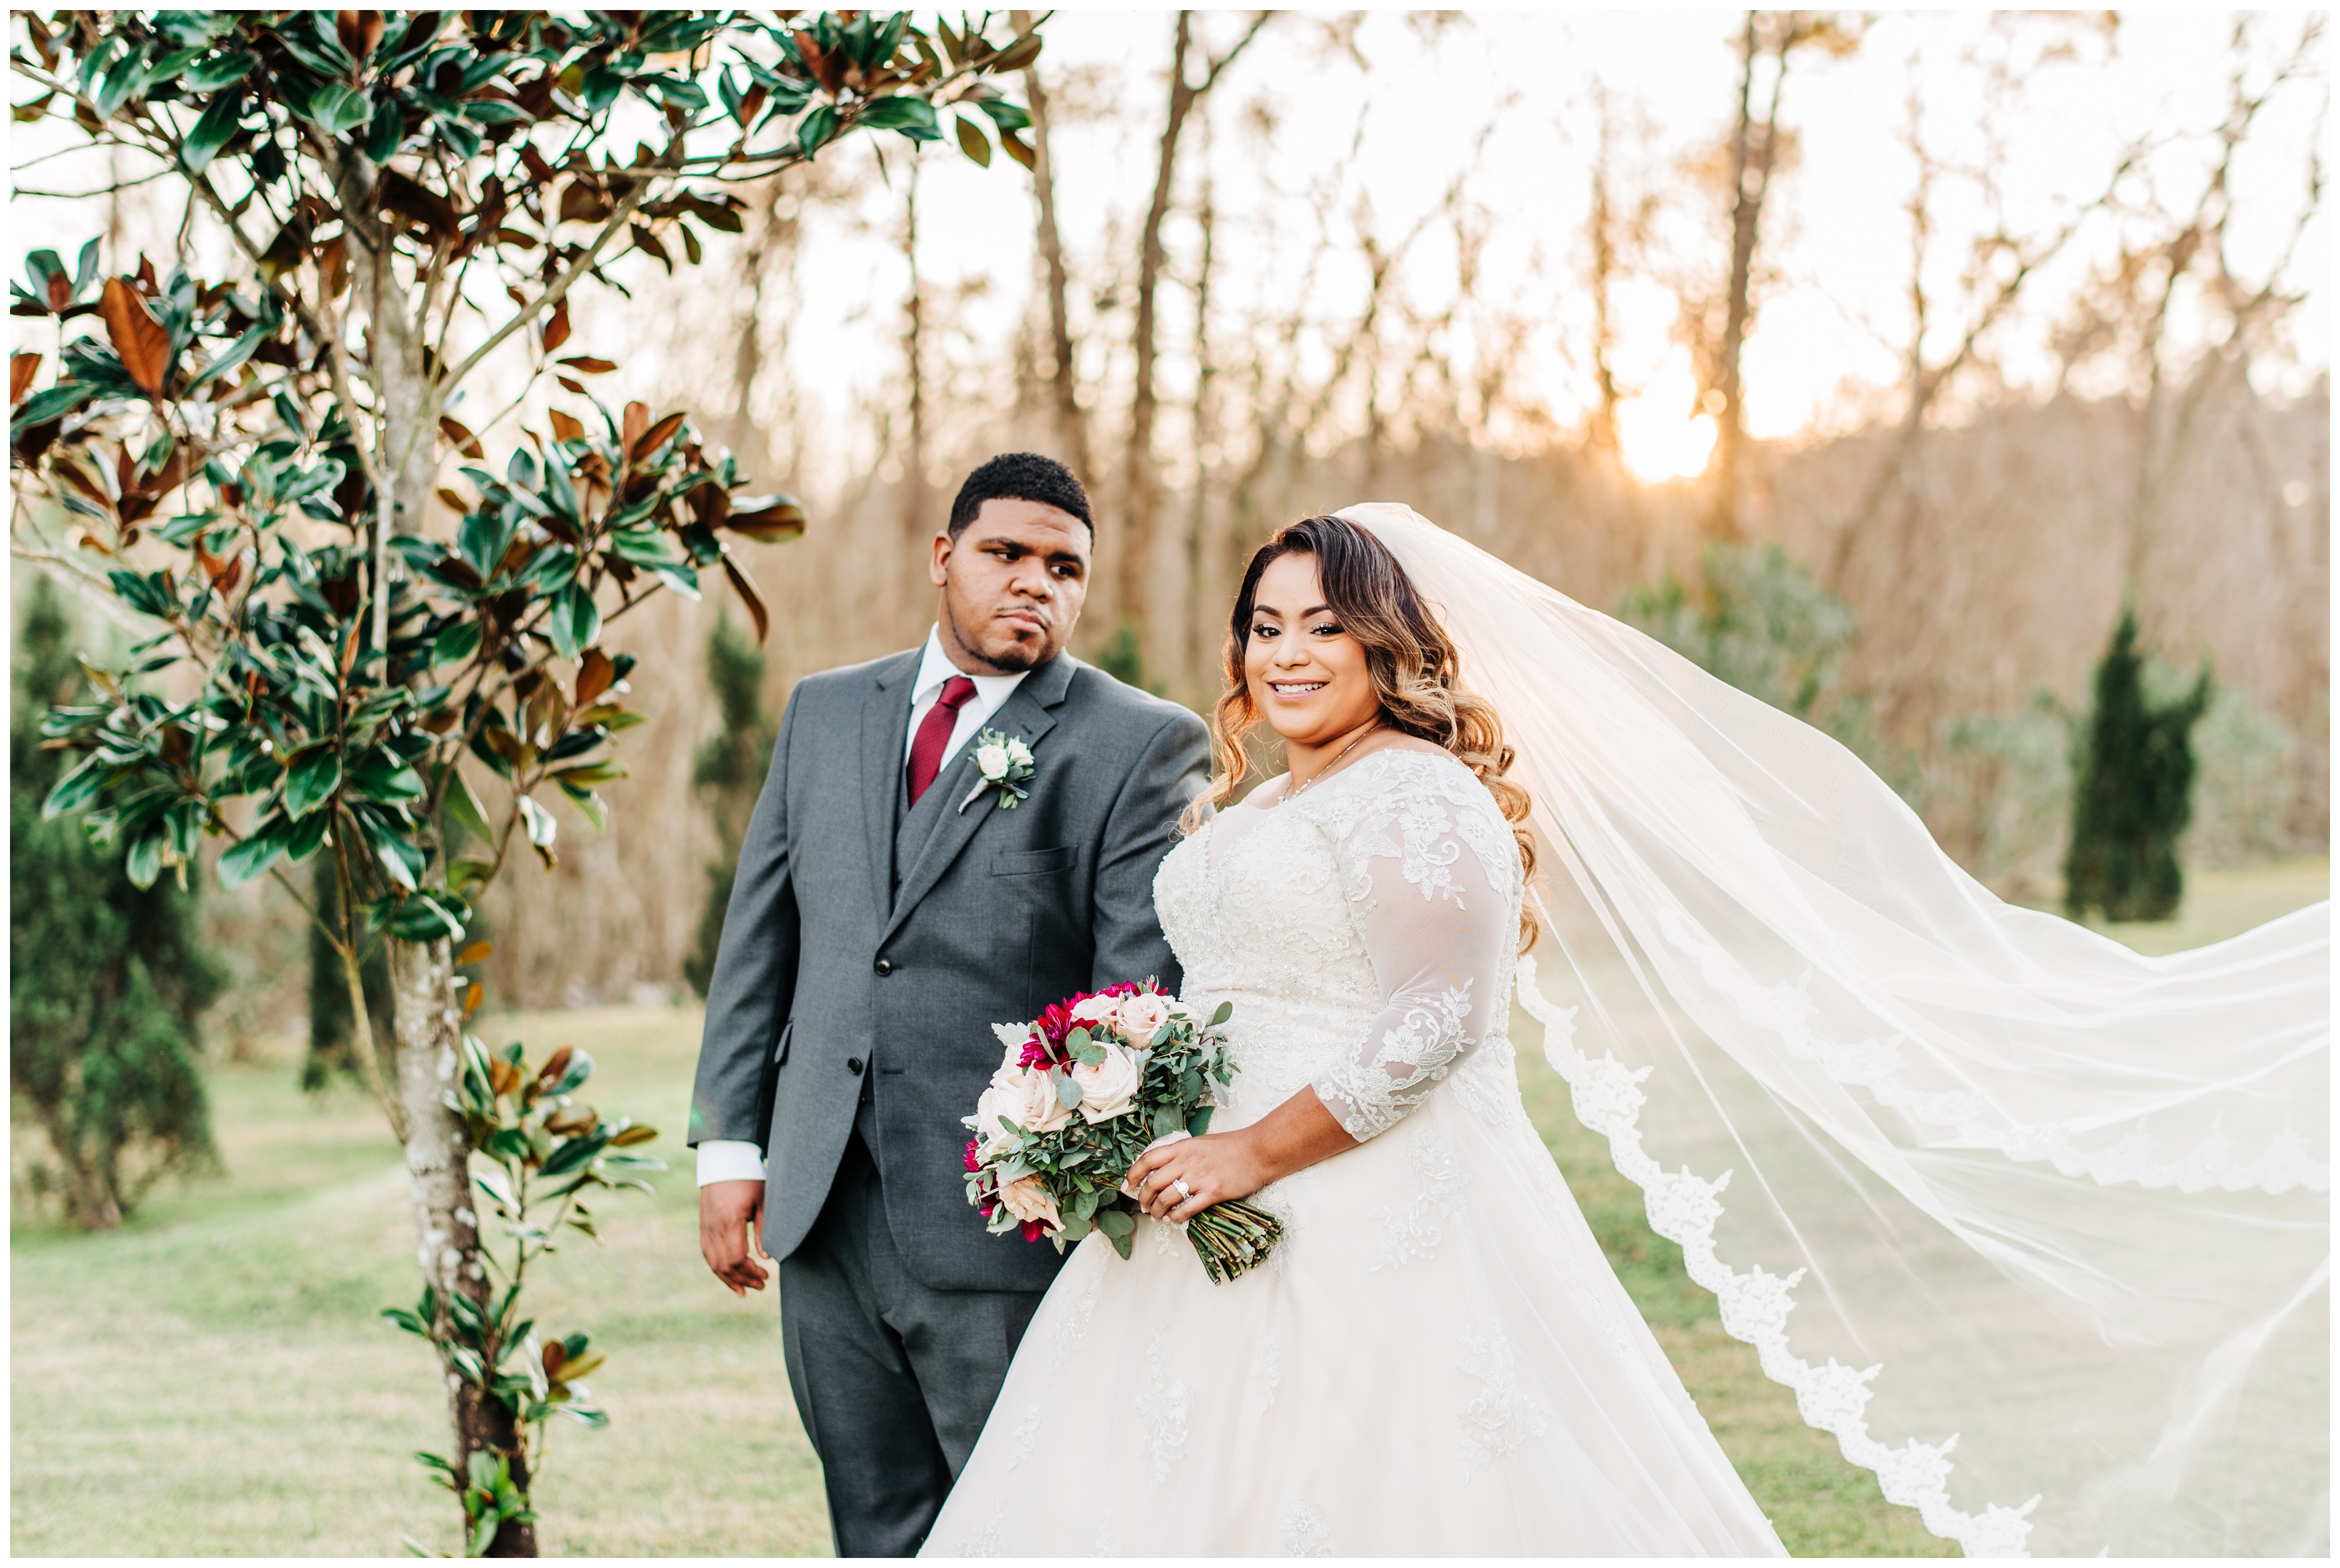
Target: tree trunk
(426, 1018)
(1072, 425)
(1202, 595)
(90, 1202)
(1752, 146)
(915, 525)
(1140, 491)
(1604, 432)
(438, 1182)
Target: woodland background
(1879, 363)
(1537, 279)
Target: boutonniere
(1004, 764)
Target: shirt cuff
(728, 1159)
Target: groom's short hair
(1021, 477)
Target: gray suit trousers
(894, 1379)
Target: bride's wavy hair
(1415, 668)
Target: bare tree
(916, 524)
(1071, 423)
(1612, 234)
(2170, 426)
(1194, 655)
(1140, 483)
(1756, 154)
(2000, 266)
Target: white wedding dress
(1437, 1359)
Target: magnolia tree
(242, 460)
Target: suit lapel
(885, 732)
(1027, 716)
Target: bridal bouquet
(1087, 1087)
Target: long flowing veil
(2037, 1227)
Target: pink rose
(1030, 1202)
(1142, 1015)
(1109, 1088)
(1029, 1098)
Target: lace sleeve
(1431, 876)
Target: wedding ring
(1184, 1191)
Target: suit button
(853, 1065)
(884, 966)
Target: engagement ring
(1184, 1191)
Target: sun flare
(1662, 434)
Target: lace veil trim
(1683, 1208)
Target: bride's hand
(1216, 1168)
(1220, 1166)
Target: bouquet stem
(1232, 1238)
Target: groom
(893, 903)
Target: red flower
(973, 1163)
(1034, 1231)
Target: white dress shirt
(737, 1159)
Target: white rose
(993, 1104)
(1030, 1099)
(993, 760)
(1109, 1088)
(1142, 1013)
(1096, 1010)
(1027, 1200)
(1019, 754)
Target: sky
(1370, 128)
(1837, 320)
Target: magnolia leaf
(242, 862)
(311, 775)
(767, 519)
(647, 443)
(143, 342)
(972, 141)
(457, 644)
(587, 802)
(745, 588)
(541, 828)
(380, 775)
(595, 674)
(214, 129)
(463, 805)
(575, 620)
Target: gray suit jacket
(866, 942)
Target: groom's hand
(730, 1216)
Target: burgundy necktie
(934, 733)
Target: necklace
(1329, 766)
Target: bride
(1437, 1359)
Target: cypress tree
(106, 982)
(730, 768)
(2134, 795)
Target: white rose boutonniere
(1003, 763)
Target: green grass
(210, 1379)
